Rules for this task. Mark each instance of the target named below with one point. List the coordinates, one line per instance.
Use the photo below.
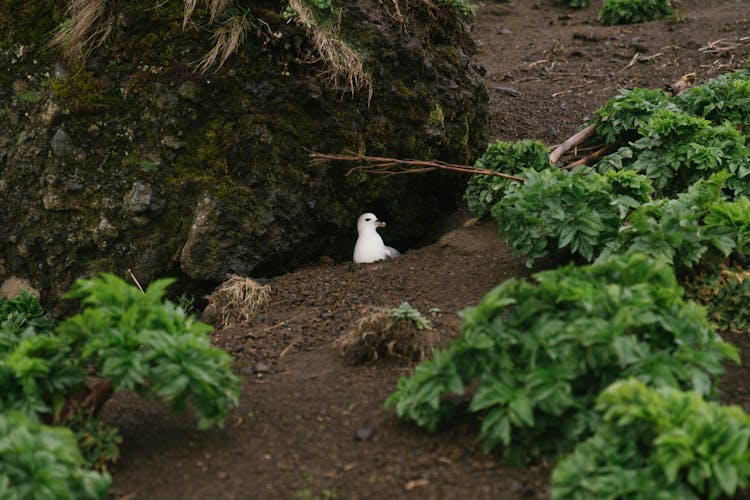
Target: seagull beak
(379, 223)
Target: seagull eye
(368, 219)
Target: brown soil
(294, 434)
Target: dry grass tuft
(380, 335)
(227, 39)
(87, 29)
(235, 301)
(344, 69)
(215, 9)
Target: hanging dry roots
(378, 336)
(235, 301)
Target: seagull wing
(392, 253)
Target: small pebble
(364, 433)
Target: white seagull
(370, 246)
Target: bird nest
(235, 301)
(381, 334)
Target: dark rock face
(136, 162)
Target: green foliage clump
(541, 353)
(132, 339)
(483, 191)
(634, 11)
(38, 461)
(677, 149)
(685, 229)
(725, 98)
(407, 312)
(622, 116)
(578, 4)
(577, 209)
(151, 346)
(36, 369)
(725, 295)
(658, 444)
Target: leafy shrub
(148, 345)
(634, 11)
(725, 98)
(127, 338)
(483, 191)
(24, 311)
(579, 209)
(725, 295)
(696, 225)
(541, 353)
(658, 443)
(622, 116)
(37, 372)
(677, 149)
(37, 461)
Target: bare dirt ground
(294, 434)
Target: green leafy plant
(677, 149)
(125, 339)
(151, 346)
(725, 295)
(634, 11)
(725, 98)
(29, 97)
(38, 461)
(697, 226)
(407, 312)
(541, 352)
(579, 209)
(36, 369)
(147, 166)
(658, 443)
(578, 4)
(622, 116)
(483, 191)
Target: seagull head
(368, 222)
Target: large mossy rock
(135, 161)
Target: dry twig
(575, 140)
(592, 157)
(136, 281)
(385, 166)
(719, 46)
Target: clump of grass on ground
(235, 301)
(401, 332)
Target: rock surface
(136, 162)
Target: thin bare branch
(381, 165)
